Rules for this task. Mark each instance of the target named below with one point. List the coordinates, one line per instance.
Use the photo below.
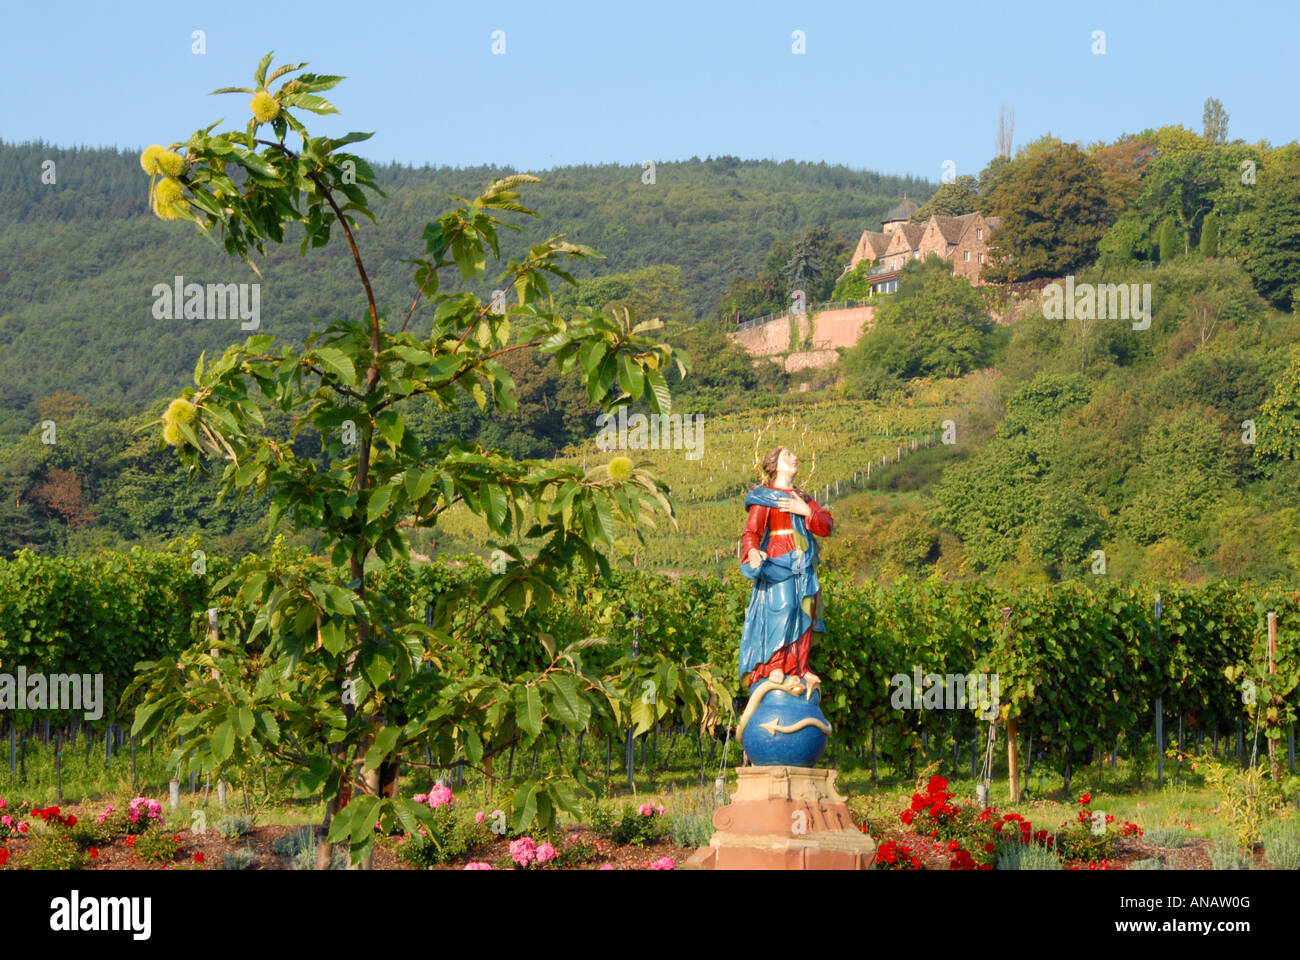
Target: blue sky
(898, 90)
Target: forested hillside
(78, 258)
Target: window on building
(979, 233)
(981, 258)
(967, 256)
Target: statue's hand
(795, 504)
(755, 558)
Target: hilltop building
(963, 241)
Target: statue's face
(788, 461)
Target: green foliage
(692, 829)
(329, 659)
(1229, 856)
(1166, 837)
(953, 199)
(854, 285)
(1247, 801)
(1279, 419)
(1026, 856)
(630, 827)
(156, 845)
(233, 827)
(1170, 243)
(79, 615)
(1054, 212)
(447, 836)
(1077, 841)
(1044, 398)
(1283, 849)
(55, 850)
(935, 325)
(1125, 243)
(241, 859)
(299, 845)
(1215, 121)
(1209, 243)
(1272, 250)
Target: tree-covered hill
(79, 257)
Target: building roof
(912, 232)
(874, 243)
(953, 227)
(902, 211)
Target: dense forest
(80, 257)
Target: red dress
(791, 659)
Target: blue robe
(776, 617)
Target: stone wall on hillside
(831, 329)
(820, 359)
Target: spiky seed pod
(620, 469)
(172, 434)
(168, 191)
(170, 163)
(149, 159)
(180, 410)
(265, 107)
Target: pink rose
(573, 836)
(478, 865)
(22, 827)
(646, 810)
(7, 820)
(478, 817)
(663, 863)
(607, 866)
(523, 851)
(420, 797)
(3, 804)
(659, 809)
(545, 852)
(439, 796)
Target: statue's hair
(769, 469)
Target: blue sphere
(774, 748)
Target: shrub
(574, 852)
(55, 851)
(1151, 863)
(892, 855)
(601, 820)
(234, 827)
(1026, 856)
(300, 847)
(450, 835)
(1283, 850)
(693, 829)
(89, 833)
(640, 827)
(156, 845)
(1167, 837)
(1228, 856)
(691, 821)
(239, 860)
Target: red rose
(198, 858)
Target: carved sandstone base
(784, 818)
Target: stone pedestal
(785, 818)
